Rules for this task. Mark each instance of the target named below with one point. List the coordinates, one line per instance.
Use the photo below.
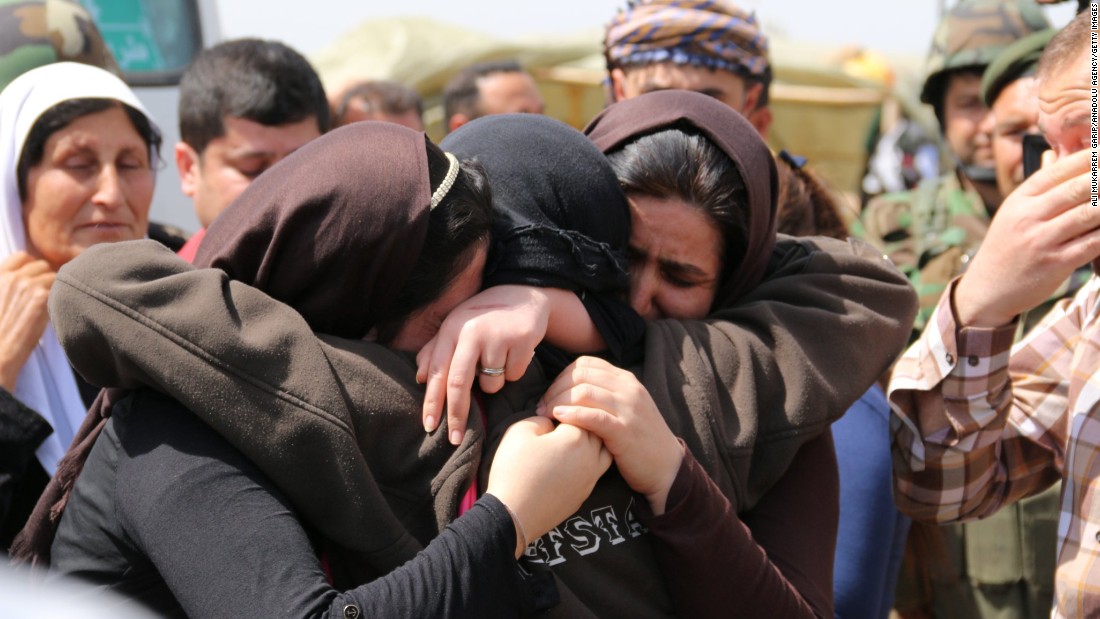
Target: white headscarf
(46, 383)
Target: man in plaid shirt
(978, 424)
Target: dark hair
(262, 81)
(60, 115)
(805, 206)
(1066, 46)
(937, 90)
(461, 95)
(455, 228)
(387, 96)
(680, 163)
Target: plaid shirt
(976, 427)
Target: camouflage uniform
(1001, 567)
(38, 32)
(934, 230)
(930, 233)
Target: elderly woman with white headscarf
(77, 154)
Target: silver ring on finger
(492, 372)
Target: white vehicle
(154, 42)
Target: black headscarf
(626, 121)
(560, 218)
(334, 229)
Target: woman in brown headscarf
(702, 191)
(368, 232)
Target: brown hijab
(626, 121)
(333, 230)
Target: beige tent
(822, 110)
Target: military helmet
(973, 33)
(34, 33)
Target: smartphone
(1034, 147)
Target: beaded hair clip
(449, 180)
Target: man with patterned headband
(712, 47)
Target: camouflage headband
(714, 34)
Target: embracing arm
(335, 418)
(228, 543)
(773, 561)
(748, 387)
(498, 328)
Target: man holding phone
(1004, 564)
(979, 425)
(1010, 87)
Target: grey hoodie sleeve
(134, 314)
(748, 387)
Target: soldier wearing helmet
(932, 231)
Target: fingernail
(429, 423)
(540, 409)
(456, 437)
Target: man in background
(714, 48)
(1011, 91)
(932, 231)
(1003, 566)
(383, 100)
(244, 106)
(980, 423)
(486, 88)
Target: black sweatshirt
(168, 513)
